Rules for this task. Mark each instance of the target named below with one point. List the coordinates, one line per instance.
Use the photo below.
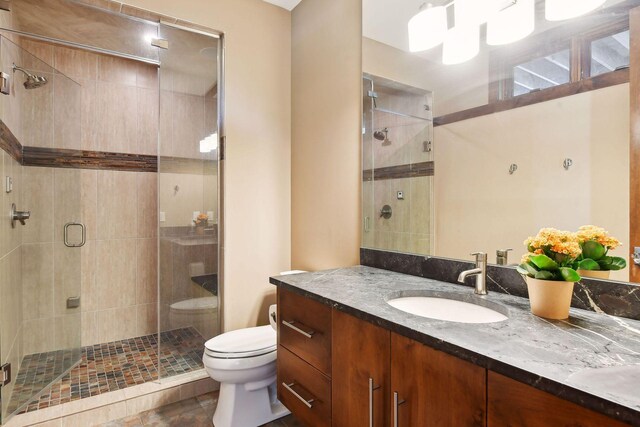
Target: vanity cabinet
(432, 388)
(512, 403)
(380, 377)
(361, 372)
(335, 369)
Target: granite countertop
(591, 359)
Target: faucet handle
(480, 256)
(503, 252)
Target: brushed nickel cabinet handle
(291, 325)
(396, 404)
(308, 403)
(372, 388)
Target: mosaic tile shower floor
(105, 367)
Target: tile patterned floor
(194, 412)
(105, 367)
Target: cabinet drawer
(304, 328)
(303, 389)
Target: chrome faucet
(502, 256)
(480, 272)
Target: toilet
(244, 362)
(200, 313)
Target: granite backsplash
(602, 296)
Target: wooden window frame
(577, 37)
(503, 61)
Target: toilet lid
(248, 342)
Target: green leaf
(543, 262)
(527, 269)
(588, 264)
(544, 275)
(612, 263)
(569, 274)
(594, 250)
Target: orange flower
(598, 234)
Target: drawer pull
(300, 331)
(308, 403)
(372, 388)
(396, 403)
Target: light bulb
(511, 24)
(427, 28)
(558, 10)
(461, 44)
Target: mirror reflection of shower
(382, 135)
(33, 81)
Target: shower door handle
(66, 235)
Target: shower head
(382, 135)
(33, 81)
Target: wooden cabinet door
(360, 380)
(434, 388)
(512, 403)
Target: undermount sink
(442, 308)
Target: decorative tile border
(401, 171)
(9, 143)
(82, 159)
(602, 296)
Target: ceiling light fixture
(210, 143)
(558, 10)
(461, 44)
(512, 23)
(427, 28)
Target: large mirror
(470, 146)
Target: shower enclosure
(109, 137)
(398, 167)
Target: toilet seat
(242, 343)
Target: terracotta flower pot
(595, 274)
(550, 299)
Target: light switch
(8, 186)
(162, 217)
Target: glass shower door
(40, 263)
(188, 198)
(398, 167)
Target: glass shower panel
(42, 111)
(398, 167)
(188, 196)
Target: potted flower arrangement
(594, 260)
(548, 268)
(201, 222)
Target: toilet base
(239, 406)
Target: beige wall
(479, 206)
(326, 175)
(258, 159)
